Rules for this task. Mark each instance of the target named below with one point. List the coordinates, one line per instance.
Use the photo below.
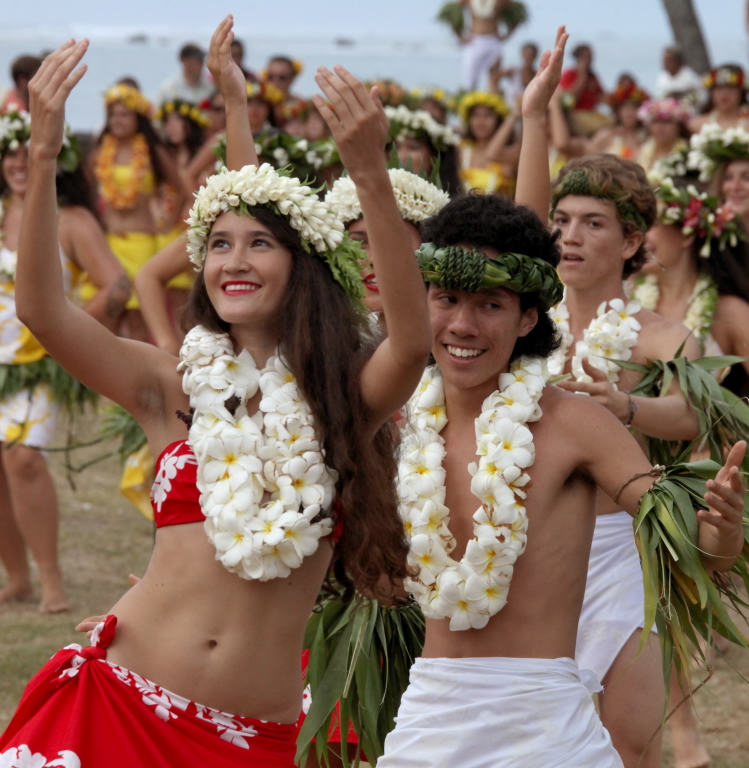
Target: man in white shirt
(190, 85)
(677, 79)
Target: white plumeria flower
(302, 482)
(514, 445)
(428, 557)
(429, 519)
(464, 613)
(482, 588)
(225, 456)
(233, 544)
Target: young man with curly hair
(603, 206)
(502, 587)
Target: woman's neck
(677, 282)
(258, 341)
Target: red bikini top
(175, 497)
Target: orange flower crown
(731, 75)
(623, 93)
(131, 97)
(264, 91)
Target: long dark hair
(73, 189)
(728, 266)
(152, 139)
(325, 342)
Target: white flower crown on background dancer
(417, 198)
(242, 459)
(420, 124)
(713, 146)
(319, 228)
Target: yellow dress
(132, 249)
(27, 417)
(490, 179)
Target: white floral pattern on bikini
(470, 591)
(244, 460)
(609, 337)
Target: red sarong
(80, 711)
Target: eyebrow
(255, 232)
(591, 215)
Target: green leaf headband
(458, 269)
(578, 182)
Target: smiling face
(357, 231)
(122, 122)
(734, 188)
(594, 246)
(474, 334)
(246, 271)
(15, 170)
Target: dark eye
(219, 242)
(492, 305)
(559, 220)
(260, 242)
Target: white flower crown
(417, 198)
(316, 224)
(405, 121)
(715, 145)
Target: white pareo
(490, 712)
(614, 604)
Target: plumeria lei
(715, 145)
(317, 225)
(265, 489)
(700, 309)
(609, 337)
(470, 591)
(421, 125)
(417, 198)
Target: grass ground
(103, 538)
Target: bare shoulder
(661, 339)
(732, 309)
(73, 218)
(569, 410)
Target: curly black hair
(489, 221)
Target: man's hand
(229, 78)
(722, 524)
(538, 94)
(356, 120)
(602, 390)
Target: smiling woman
(290, 431)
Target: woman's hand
(540, 90)
(356, 119)
(228, 76)
(48, 92)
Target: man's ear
(632, 242)
(528, 321)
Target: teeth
(458, 352)
(241, 287)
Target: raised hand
(226, 73)
(48, 92)
(538, 94)
(725, 497)
(356, 119)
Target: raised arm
(129, 373)
(534, 184)
(360, 127)
(230, 80)
(83, 240)
(150, 285)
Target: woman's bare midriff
(139, 218)
(205, 634)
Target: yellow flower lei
(481, 98)
(121, 199)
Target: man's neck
(583, 303)
(465, 404)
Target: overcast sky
(395, 19)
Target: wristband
(633, 408)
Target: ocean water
(151, 59)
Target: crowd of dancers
(235, 269)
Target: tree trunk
(688, 34)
